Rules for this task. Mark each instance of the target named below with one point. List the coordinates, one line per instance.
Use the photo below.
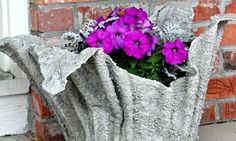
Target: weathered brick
(198, 31)
(229, 35)
(231, 8)
(86, 12)
(48, 131)
(208, 114)
(216, 64)
(206, 9)
(228, 110)
(85, 0)
(222, 87)
(39, 107)
(54, 1)
(93, 12)
(229, 60)
(60, 19)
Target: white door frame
(14, 103)
(13, 21)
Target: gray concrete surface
(15, 138)
(218, 132)
(5, 75)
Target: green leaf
(155, 58)
(133, 63)
(133, 71)
(153, 70)
(146, 66)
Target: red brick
(208, 114)
(222, 87)
(229, 60)
(206, 9)
(228, 111)
(34, 19)
(48, 131)
(53, 1)
(199, 31)
(216, 64)
(93, 12)
(231, 8)
(60, 19)
(229, 35)
(37, 1)
(39, 107)
(84, 0)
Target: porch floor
(16, 138)
(218, 132)
(214, 132)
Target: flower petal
(179, 44)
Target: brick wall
(221, 93)
(51, 18)
(46, 126)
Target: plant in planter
(94, 99)
(137, 45)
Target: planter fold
(94, 100)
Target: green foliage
(151, 67)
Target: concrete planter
(94, 99)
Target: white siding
(13, 93)
(13, 111)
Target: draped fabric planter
(94, 99)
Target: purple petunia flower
(134, 16)
(136, 44)
(137, 14)
(117, 31)
(115, 12)
(100, 19)
(153, 42)
(100, 39)
(174, 52)
(145, 25)
(127, 20)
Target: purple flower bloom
(134, 16)
(115, 12)
(174, 52)
(100, 39)
(153, 42)
(117, 31)
(100, 19)
(127, 20)
(136, 44)
(137, 14)
(145, 25)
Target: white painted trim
(14, 21)
(13, 114)
(14, 87)
(14, 103)
(14, 17)
(4, 32)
